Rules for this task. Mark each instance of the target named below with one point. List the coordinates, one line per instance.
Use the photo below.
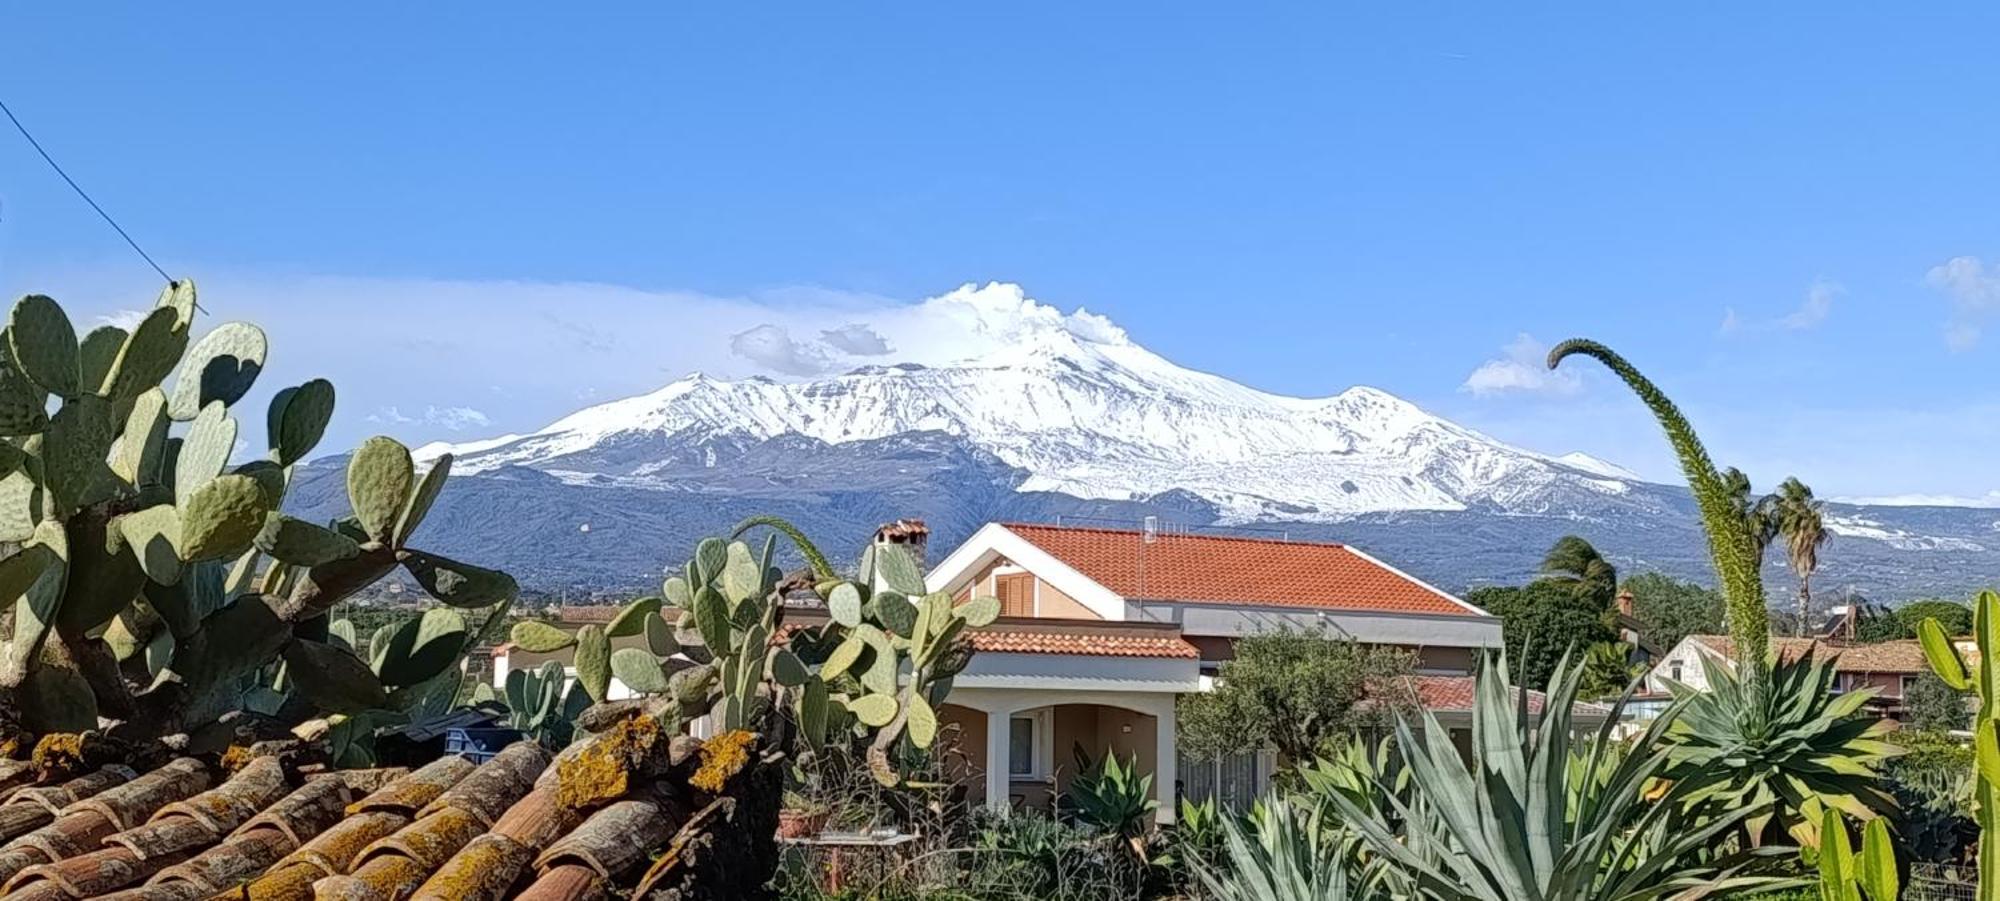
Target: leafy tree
(1300, 692)
(1934, 706)
(1954, 617)
(1670, 609)
(1540, 622)
(1574, 563)
(1607, 670)
(1799, 520)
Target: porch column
(1168, 770)
(998, 786)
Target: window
(1674, 671)
(1017, 594)
(1021, 747)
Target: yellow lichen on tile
(602, 771)
(59, 752)
(722, 757)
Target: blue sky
(477, 217)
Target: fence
(1234, 781)
(1942, 882)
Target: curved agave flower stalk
(1731, 544)
(822, 570)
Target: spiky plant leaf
(923, 724)
(23, 407)
(421, 648)
(379, 480)
(205, 450)
(44, 343)
(98, 353)
(786, 669)
(297, 418)
(632, 619)
(896, 613)
(593, 662)
(150, 352)
(221, 518)
(76, 447)
(899, 570)
(980, 612)
(271, 478)
(301, 543)
(844, 605)
(333, 679)
(460, 584)
(639, 670)
(660, 637)
(220, 368)
(873, 710)
(179, 298)
(142, 446)
(539, 638)
(422, 499)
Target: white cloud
(1812, 310)
(857, 339)
(1522, 369)
(1974, 292)
(454, 419)
(125, 319)
(771, 347)
(1816, 307)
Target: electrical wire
(81, 193)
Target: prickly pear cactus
(157, 585)
(1983, 677)
(879, 668)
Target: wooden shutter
(1017, 594)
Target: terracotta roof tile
(1226, 570)
(1441, 694)
(453, 829)
(1902, 656)
(1003, 639)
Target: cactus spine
(157, 586)
(1983, 677)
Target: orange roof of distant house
(1019, 640)
(1898, 656)
(1228, 570)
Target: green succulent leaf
(222, 518)
(150, 353)
(333, 679)
(639, 670)
(593, 662)
(742, 578)
(422, 499)
(154, 535)
(896, 613)
(711, 616)
(44, 343)
(379, 480)
(421, 648)
(539, 638)
(923, 724)
(786, 669)
(23, 406)
(220, 368)
(873, 710)
(980, 612)
(899, 570)
(297, 418)
(205, 450)
(460, 584)
(58, 699)
(270, 477)
(78, 442)
(179, 298)
(660, 637)
(301, 543)
(1943, 657)
(98, 353)
(142, 447)
(632, 620)
(844, 605)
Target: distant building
(1890, 667)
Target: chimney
(1152, 529)
(912, 534)
(1625, 603)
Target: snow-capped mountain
(1030, 414)
(1086, 413)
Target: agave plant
(1281, 855)
(1112, 796)
(1791, 752)
(1526, 823)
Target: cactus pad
(539, 638)
(593, 662)
(205, 450)
(221, 518)
(460, 584)
(150, 353)
(420, 648)
(301, 543)
(632, 620)
(220, 367)
(421, 499)
(639, 670)
(873, 710)
(297, 418)
(333, 679)
(379, 480)
(44, 343)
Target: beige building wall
(1050, 602)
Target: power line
(80, 192)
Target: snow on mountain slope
(1084, 411)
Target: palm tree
(1573, 562)
(1799, 519)
(1760, 515)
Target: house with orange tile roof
(1888, 667)
(1105, 628)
